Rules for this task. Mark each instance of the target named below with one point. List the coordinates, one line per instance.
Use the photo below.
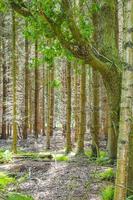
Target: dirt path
(71, 180)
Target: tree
(26, 115)
(68, 113)
(36, 129)
(14, 70)
(82, 48)
(76, 100)
(124, 178)
(95, 115)
(50, 102)
(4, 67)
(82, 128)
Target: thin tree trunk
(43, 101)
(68, 114)
(95, 115)
(3, 136)
(76, 100)
(80, 147)
(25, 130)
(36, 129)
(14, 71)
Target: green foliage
(55, 84)
(108, 174)
(88, 153)
(108, 193)
(5, 156)
(18, 196)
(130, 197)
(61, 157)
(103, 159)
(3, 6)
(5, 180)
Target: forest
(66, 99)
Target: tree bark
(14, 70)
(4, 67)
(68, 114)
(26, 116)
(36, 129)
(124, 178)
(80, 145)
(95, 115)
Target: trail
(51, 180)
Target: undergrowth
(107, 193)
(61, 157)
(108, 175)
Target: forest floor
(65, 178)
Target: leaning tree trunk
(124, 178)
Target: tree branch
(80, 48)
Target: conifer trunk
(80, 145)
(95, 115)
(68, 109)
(25, 130)
(43, 101)
(4, 67)
(14, 70)
(36, 129)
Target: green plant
(130, 197)
(103, 159)
(108, 193)
(5, 180)
(18, 196)
(7, 156)
(108, 174)
(61, 157)
(88, 153)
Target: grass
(108, 174)
(18, 196)
(61, 157)
(107, 193)
(5, 180)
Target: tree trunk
(76, 100)
(14, 70)
(50, 102)
(36, 129)
(95, 115)
(25, 129)
(3, 136)
(68, 114)
(80, 147)
(124, 176)
(43, 101)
